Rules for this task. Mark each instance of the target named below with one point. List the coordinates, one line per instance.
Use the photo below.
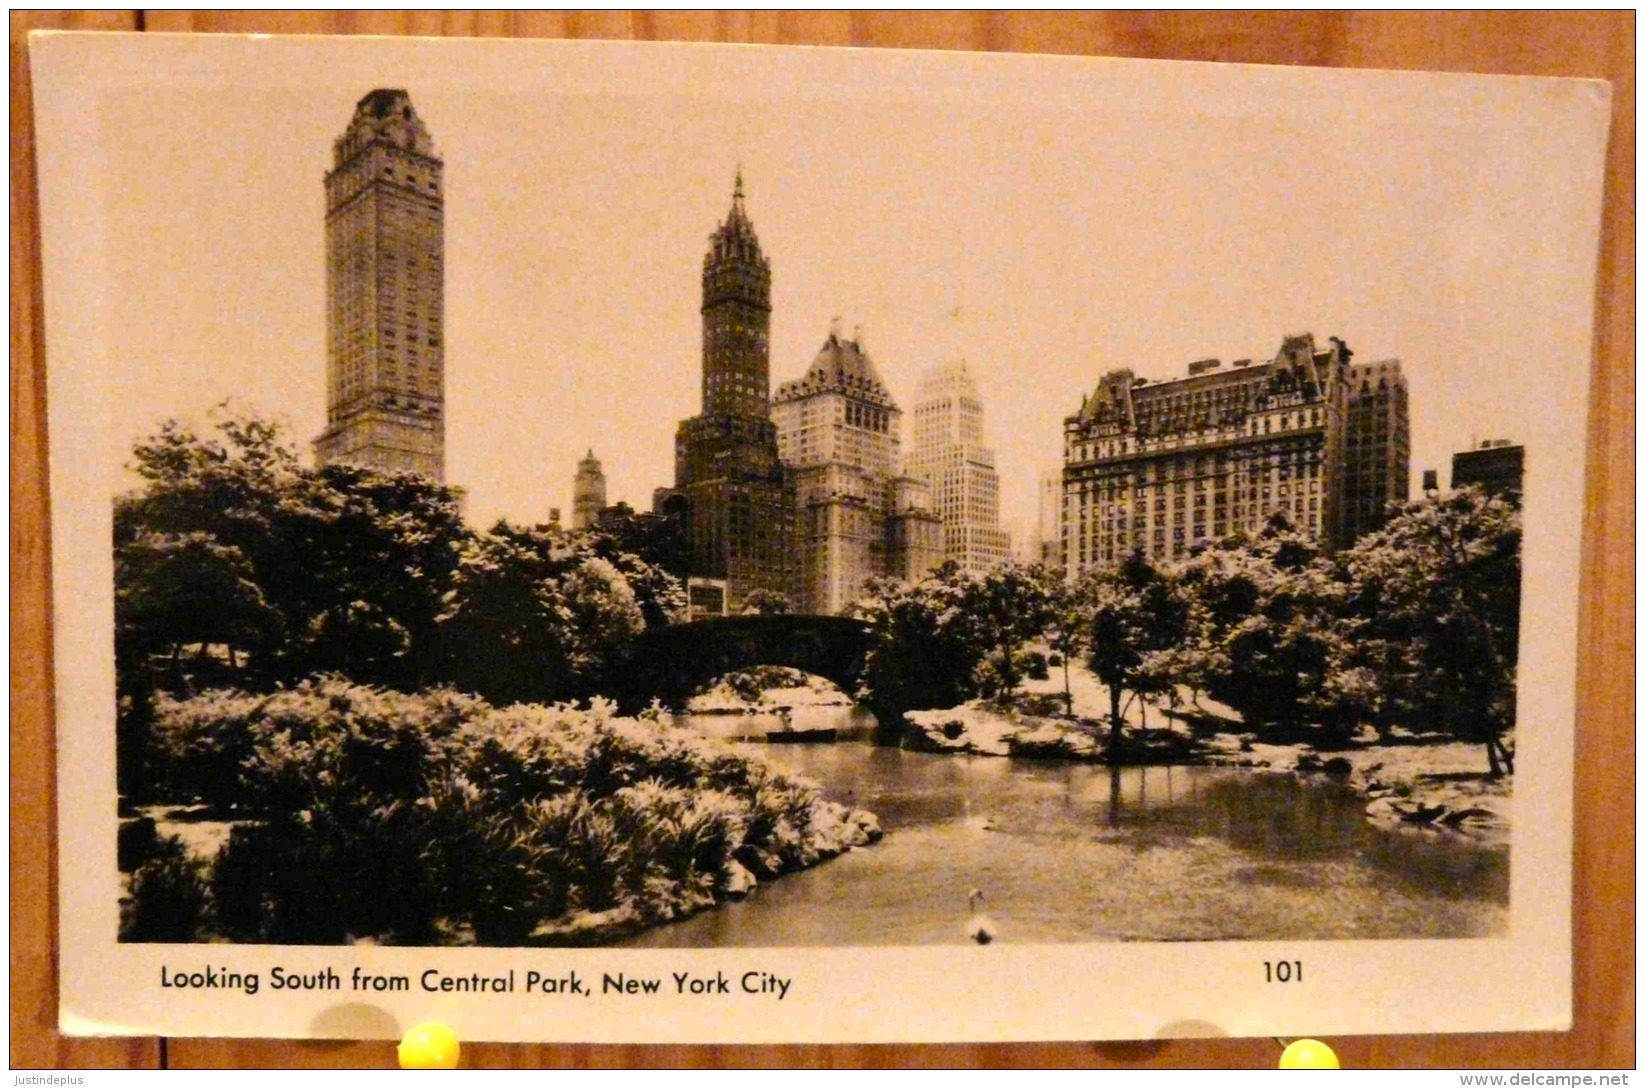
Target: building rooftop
(383, 101)
(840, 366)
(735, 238)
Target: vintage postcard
(649, 543)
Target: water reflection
(1082, 852)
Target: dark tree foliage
(953, 635)
(925, 643)
(653, 539)
(1008, 607)
(1438, 588)
(1270, 635)
(534, 615)
(1130, 614)
(237, 567)
(290, 571)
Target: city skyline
(557, 322)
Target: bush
(168, 899)
(408, 818)
(138, 840)
(235, 749)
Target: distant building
(1049, 526)
(587, 492)
(1159, 466)
(385, 293)
(706, 598)
(914, 529)
(1377, 448)
(838, 431)
(949, 455)
(730, 487)
(1498, 466)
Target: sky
(1046, 220)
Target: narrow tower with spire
(736, 318)
(739, 498)
(588, 492)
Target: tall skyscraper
(838, 431)
(949, 455)
(739, 498)
(385, 293)
(1158, 466)
(587, 492)
(1377, 448)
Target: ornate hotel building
(949, 455)
(587, 492)
(1159, 466)
(838, 431)
(737, 496)
(385, 293)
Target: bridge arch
(672, 662)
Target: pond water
(1082, 852)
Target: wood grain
(1591, 44)
(35, 1041)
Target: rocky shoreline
(1409, 783)
(773, 690)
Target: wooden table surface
(1592, 44)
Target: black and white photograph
(641, 502)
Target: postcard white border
(960, 993)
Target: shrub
(331, 875)
(1034, 665)
(405, 818)
(169, 899)
(516, 872)
(138, 841)
(200, 743)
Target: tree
(766, 603)
(1271, 632)
(1066, 631)
(924, 645)
(1438, 589)
(352, 564)
(1009, 606)
(654, 539)
(179, 590)
(1130, 612)
(660, 594)
(174, 592)
(532, 618)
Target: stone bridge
(672, 662)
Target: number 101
(1282, 971)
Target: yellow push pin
(1308, 1055)
(429, 1046)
